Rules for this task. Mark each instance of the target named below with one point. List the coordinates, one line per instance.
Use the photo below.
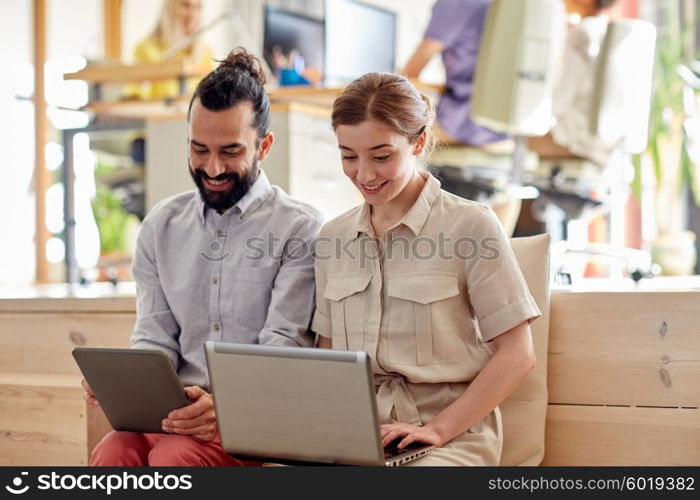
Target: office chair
(512, 94)
(619, 116)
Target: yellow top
(152, 50)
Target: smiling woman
(449, 336)
(383, 123)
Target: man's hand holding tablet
(139, 390)
(198, 419)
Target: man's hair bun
(238, 78)
(239, 59)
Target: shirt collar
(414, 219)
(257, 193)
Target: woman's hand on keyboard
(409, 433)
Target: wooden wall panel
(599, 435)
(632, 349)
(42, 343)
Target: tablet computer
(136, 388)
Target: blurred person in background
(570, 137)
(454, 31)
(178, 19)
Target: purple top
(458, 24)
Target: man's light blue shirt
(244, 276)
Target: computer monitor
(286, 32)
(360, 39)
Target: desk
(108, 72)
(624, 374)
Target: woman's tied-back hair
(240, 77)
(388, 98)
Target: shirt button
(241, 217)
(217, 327)
(215, 281)
(219, 233)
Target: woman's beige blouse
(424, 299)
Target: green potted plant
(674, 173)
(116, 227)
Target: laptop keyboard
(391, 450)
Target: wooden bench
(624, 377)
(43, 418)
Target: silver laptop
(299, 405)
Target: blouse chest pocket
(424, 318)
(348, 296)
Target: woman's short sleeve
(498, 295)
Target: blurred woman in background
(178, 19)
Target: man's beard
(223, 200)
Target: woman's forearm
(514, 358)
